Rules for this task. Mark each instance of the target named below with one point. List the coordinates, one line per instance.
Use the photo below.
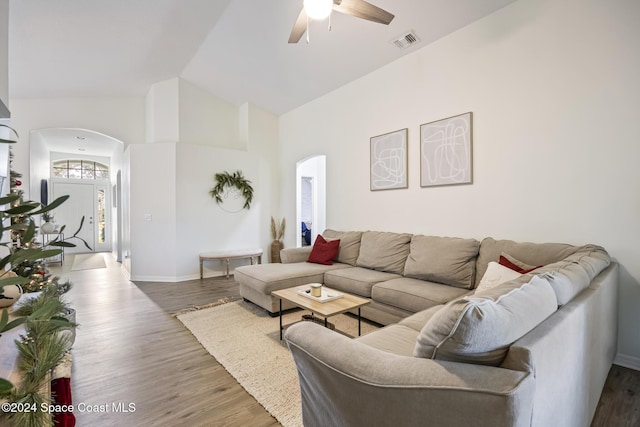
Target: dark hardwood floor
(131, 349)
(620, 400)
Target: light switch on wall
(148, 217)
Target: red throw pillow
(324, 252)
(505, 262)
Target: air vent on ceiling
(407, 39)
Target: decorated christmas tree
(45, 342)
(24, 237)
(21, 220)
(14, 188)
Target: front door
(86, 200)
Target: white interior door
(83, 202)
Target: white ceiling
(236, 49)
(79, 141)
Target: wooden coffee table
(325, 309)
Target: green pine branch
(226, 180)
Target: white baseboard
(126, 273)
(194, 276)
(152, 279)
(630, 362)
(215, 274)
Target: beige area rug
(246, 342)
(88, 261)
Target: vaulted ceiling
(235, 49)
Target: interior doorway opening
(311, 199)
(83, 164)
(306, 209)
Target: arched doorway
(84, 164)
(311, 191)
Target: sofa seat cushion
(267, 278)
(384, 251)
(356, 280)
(396, 339)
(417, 320)
(480, 328)
(414, 295)
(448, 260)
(349, 245)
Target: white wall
(207, 128)
(171, 182)
(162, 111)
(202, 224)
(4, 91)
(554, 91)
(120, 118)
(259, 133)
(4, 158)
(206, 119)
(178, 111)
(38, 158)
(125, 209)
(4, 51)
(152, 207)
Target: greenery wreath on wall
(226, 180)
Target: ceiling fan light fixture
(318, 9)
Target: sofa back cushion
(349, 245)
(480, 328)
(530, 253)
(384, 251)
(570, 276)
(448, 260)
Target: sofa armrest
(291, 255)
(346, 382)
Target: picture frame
(446, 151)
(388, 160)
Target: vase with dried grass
(277, 233)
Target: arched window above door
(80, 169)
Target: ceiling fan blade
(299, 28)
(364, 10)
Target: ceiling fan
(321, 9)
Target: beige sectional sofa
(534, 350)
(372, 265)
